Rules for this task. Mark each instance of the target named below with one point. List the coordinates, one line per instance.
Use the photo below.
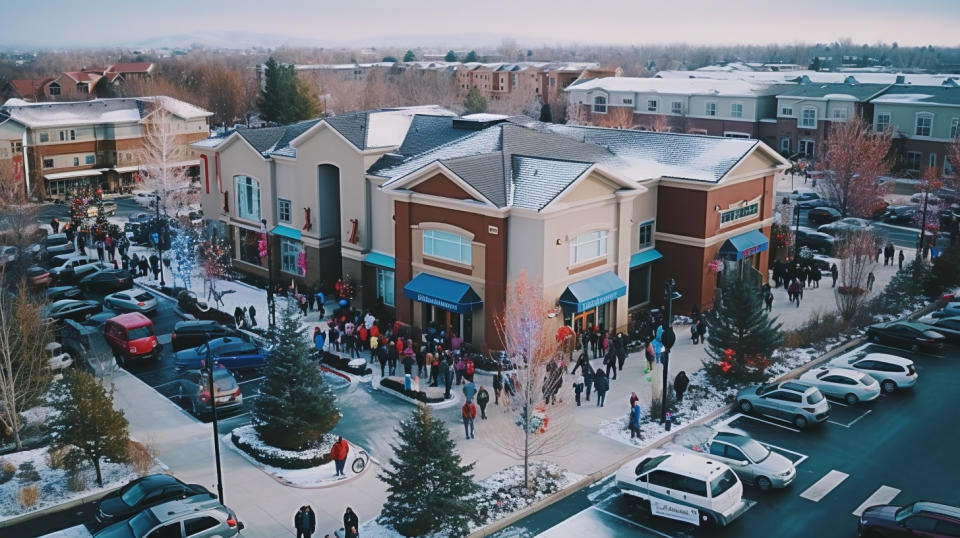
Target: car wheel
(800, 422)
(764, 483)
(746, 406)
(888, 386)
(121, 360)
(196, 408)
(852, 399)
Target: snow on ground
(312, 477)
(53, 482)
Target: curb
(455, 400)
(227, 440)
(58, 507)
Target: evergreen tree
(389, 59)
(450, 57)
(471, 56)
(269, 102)
(742, 336)
(409, 56)
(285, 98)
(546, 115)
(475, 102)
(295, 405)
(88, 423)
(945, 272)
(429, 490)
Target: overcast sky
(71, 23)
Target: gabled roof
(834, 91)
(82, 76)
(482, 172)
(428, 132)
(29, 88)
(131, 67)
(96, 111)
(353, 127)
(537, 182)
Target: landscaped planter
(246, 439)
(343, 364)
(418, 395)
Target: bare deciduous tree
(542, 418)
(24, 369)
(858, 254)
(855, 158)
(161, 164)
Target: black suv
(190, 334)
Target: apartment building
(925, 119)
(72, 146)
(542, 81)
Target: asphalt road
(126, 206)
(904, 441)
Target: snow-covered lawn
(53, 482)
(501, 494)
(311, 477)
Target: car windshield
(143, 297)
(931, 334)
(134, 494)
(722, 483)
(755, 451)
(905, 512)
(142, 523)
(867, 381)
(201, 349)
(815, 397)
(141, 332)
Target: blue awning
(744, 245)
(647, 256)
(286, 231)
(592, 292)
(375, 258)
(446, 294)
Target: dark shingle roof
(482, 172)
(276, 140)
(942, 95)
(428, 132)
(537, 182)
(353, 127)
(860, 92)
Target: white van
(685, 487)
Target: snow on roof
(484, 117)
(919, 79)
(902, 98)
(840, 97)
(95, 111)
(670, 86)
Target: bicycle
(360, 462)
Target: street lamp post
(159, 241)
(668, 338)
(213, 408)
(923, 227)
(271, 306)
(796, 232)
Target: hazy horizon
(108, 23)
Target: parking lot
(897, 449)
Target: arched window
(248, 197)
(600, 104)
(447, 245)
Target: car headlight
(788, 472)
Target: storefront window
(447, 245)
(248, 198)
(639, 291)
(385, 285)
(249, 251)
(289, 251)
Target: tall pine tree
(475, 102)
(409, 56)
(742, 336)
(295, 405)
(284, 97)
(429, 490)
(450, 57)
(88, 422)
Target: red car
(131, 336)
(921, 518)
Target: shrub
(814, 333)
(905, 289)
(142, 456)
(76, 480)
(28, 496)
(56, 457)
(277, 460)
(28, 473)
(343, 364)
(418, 395)
(7, 470)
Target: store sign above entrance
(592, 292)
(443, 293)
(744, 245)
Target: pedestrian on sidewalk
(870, 280)
(447, 376)
(339, 454)
(144, 270)
(409, 358)
(155, 265)
(393, 357)
(238, 316)
(459, 368)
(610, 361)
(649, 355)
(350, 524)
(620, 347)
(305, 522)
(693, 332)
(658, 343)
(793, 291)
(680, 384)
(434, 369)
(483, 398)
(469, 390)
(577, 390)
(602, 384)
(633, 398)
(55, 224)
(82, 244)
(253, 316)
(497, 385)
(318, 341)
(333, 335)
(588, 377)
(469, 412)
(901, 257)
(635, 420)
(100, 248)
(111, 244)
(834, 272)
(768, 300)
(383, 353)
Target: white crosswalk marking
(882, 496)
(825, 485)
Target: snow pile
(504, 492)
(53, 482)
(38, 415)
(249, 436)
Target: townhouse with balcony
(74, 146)
(925, 120)
(537, 81)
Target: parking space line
(825, 485)
(727, 421)
(803, 457)
(852, 422)
(250, 380)
(832, 402)
(632, 522)
(883, 495)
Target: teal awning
(446, 294)
(375, 258)
(744, 245)
(286, 231)
(592, 292)
(645, 257)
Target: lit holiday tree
(216, 261)
(185, 256)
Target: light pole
(271, 307)
(796, 231)
(668, 338)
(213, 408)
(159, 242)
(923, 226)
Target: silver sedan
(131, 301)
(843, 383)
(753, 462)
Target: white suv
(685, 487)
(891, 371)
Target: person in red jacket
(339, 454)
(469, 414)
